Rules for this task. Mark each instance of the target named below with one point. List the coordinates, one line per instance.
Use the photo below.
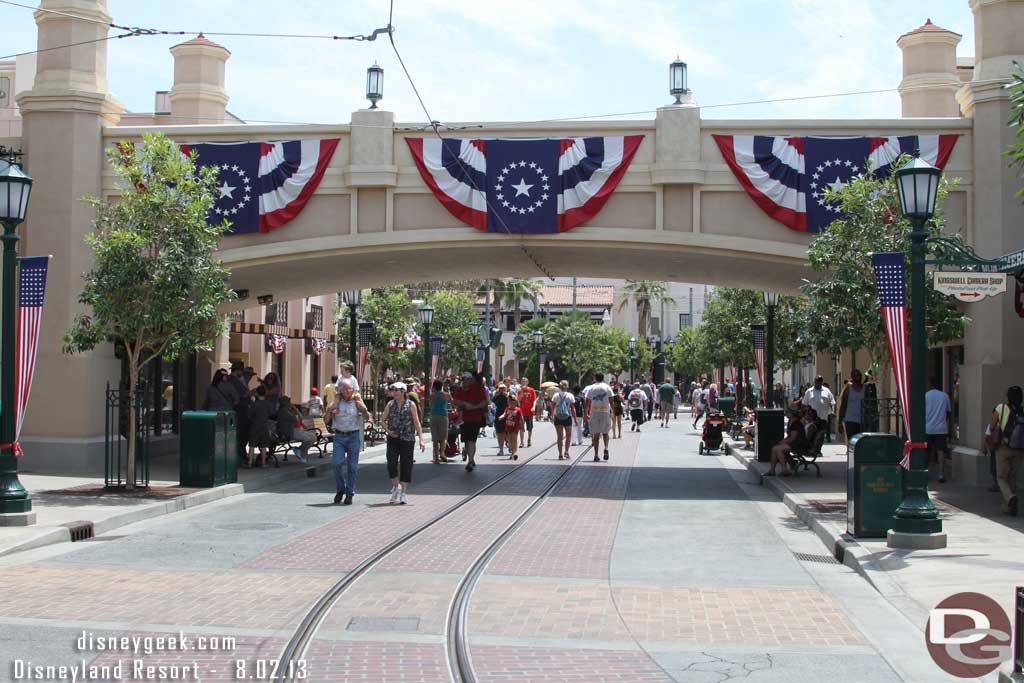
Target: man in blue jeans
(346, 414)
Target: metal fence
(115, 438)
(883, 415)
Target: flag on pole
(481, 354)
(890, 278)
(716, 377)
(758, 331)
(435, 356)
(365, 333)
(543, 361)
(31, 287)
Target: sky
(487, 60)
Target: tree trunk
(133, 375)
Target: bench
(806, 457)
(373, 432)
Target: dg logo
(968, 635)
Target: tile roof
(561, 295)
(929, 27)
(202, 40)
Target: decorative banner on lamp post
(435, 356)
(758, 331)
(969, 286)
(890, 278)
(481, 355)
(31, 290)
(365, 334)
(543, 359)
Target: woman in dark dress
(500, 401)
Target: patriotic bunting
(758, 331)
(276, 343)
(31, 288)
(890, 278)
(543, 361)
(317, 346)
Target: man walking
(821, 400)
(527, 396)
(667, 398)
(636, 400)
(648, 388)
(472, 399)
(598, 411)
(702, 402)
(346, 414)
(937, 411)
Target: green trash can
(874, 483)
(727, 404)
(208, 453)
(771, 428)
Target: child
(513, 419)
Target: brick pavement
(501, 664)
(573, 532)
(196, 598)
(388, 595)
(236, 663)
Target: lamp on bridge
(352, 298)
(15, 188)
(632, 358)
(771, 301)
(426, 314)
(374, 85)
(918, 184)
(677, 80)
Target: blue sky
(483, 60)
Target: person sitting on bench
(796, 438)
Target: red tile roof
(929, 27)
(202, 40)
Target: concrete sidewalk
(985, 552)
(63, 502)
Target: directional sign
(969, 286)
(1012, 262)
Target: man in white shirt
(821, 400)
(937, 410)
(598, 410)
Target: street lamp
(352, 298)
(426, 317)
(918, 184)
(632, 358)
(677, 80)
(15, 187)
(374, 85)
(606, 318)
(771, 301)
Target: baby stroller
(451, 448)
(711, 437)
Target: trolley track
(296, 647)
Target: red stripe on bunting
(573, 217)
(472, 217)
(275, 219)
(788, 217)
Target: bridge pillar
(63, 116)
(198, 95)
(930, 81)
(994, 352)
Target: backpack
(1014, 433)
(562, 408)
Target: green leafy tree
(155, 286)
(644, 293)
(389, 310)
(583, 347)
(1016, 149)
(453, 313)
(691, 355)
(843, 310)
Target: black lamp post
(771, 301)
(632, 358)
(352, 298)
(426, 317)
(15, 187)
(918, 184)
(374, 85)
(538, 346)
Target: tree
(389, 310)
(690, 356)
(155, 285)
(1016, 149)
(843, 304)
(644, 293)
(453, 313)
(511, 293)
(582, 347)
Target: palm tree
(645, 293)
(511, 293)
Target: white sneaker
(402, 499)
(395, 493)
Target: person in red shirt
(527, 400)
(514, 419)
(472, 399)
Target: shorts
(438, 428)
(637, 415)
(936, 443)
(528, 421)
(667, 407)
(470, 431)
(499, 426)
(600, 423)
(563, 422)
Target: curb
(841, 545)
(59, 534)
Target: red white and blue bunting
(276, 343)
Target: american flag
(32, 286)
(435, 357)
(890, 278)
(276, 343)
(758, 331)
(716, 376)
(543, 361)
(365, 333)
(481, 354)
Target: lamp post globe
(352, 298)
(15, 188)
(374, 85)
(426, 313)
(918, 186)
(538, 340)
(677, 80)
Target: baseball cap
(467, 375)
(400, 386)
(314, 391)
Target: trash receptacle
(874, 483)
(727, 404)
(771, 428)
(208, 453)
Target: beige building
(678, 214)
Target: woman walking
(563, 405)
(617, 411)
(403, 424)
(500, 402)
(439, 420)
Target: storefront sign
(969, 286)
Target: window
(236, 316)
(315, 318)
(277, 314)
(685, 321)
